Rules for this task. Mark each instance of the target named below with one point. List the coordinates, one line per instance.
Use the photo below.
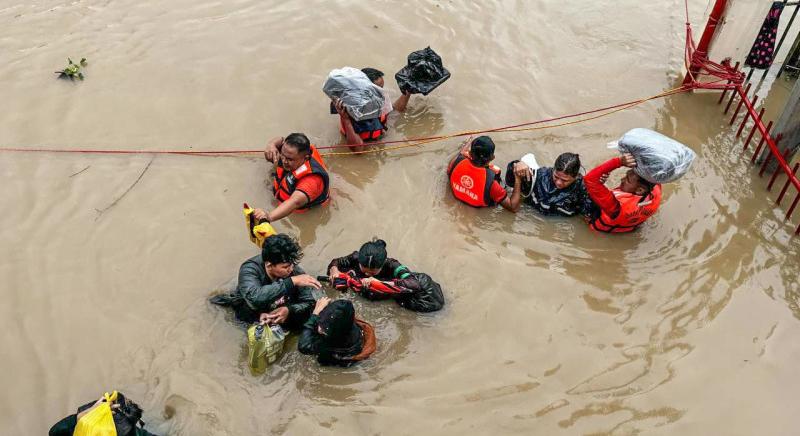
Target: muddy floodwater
(688, 326)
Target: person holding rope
(556, 190)
(475, 181)
(300, 178)
(625, 207)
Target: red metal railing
(699, 67)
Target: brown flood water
(689, 326)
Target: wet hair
(372, 73)
(127, 416)
(372, 254)
(569, 163)
(336, 321)
(281, 248)
(299, 141)
(482, 150)
(646, 184)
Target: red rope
(251, 151)
(722, 72)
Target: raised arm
(347, 124)
(402, 102)
(273, 150)
(602, 196)
(515, 201)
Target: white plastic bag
(362, 98)
(659, 159)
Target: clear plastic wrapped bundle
(659, 158)
(362, 98)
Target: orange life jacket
(472, 184)
(368, 340)
(284, 183)
(634, 210)
(369, 135)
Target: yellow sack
(98, 421)
(256, 232)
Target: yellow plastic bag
(256, 232)
(264, 343)
(99, 421)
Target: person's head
(566, 170)
(295, 151)
(280, 254)
(336, 321)
(372, 256)
(632, 183)
(481, 151)
(376, 76)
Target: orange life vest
(284, 183)
(369, 135)
(634, 210)
(472, 184)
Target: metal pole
(708, 34)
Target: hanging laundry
(763, 51)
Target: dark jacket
(256, 293)
(313, 343)
(423, 294)
(392, 268)
(547, 199)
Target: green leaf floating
(72, 71)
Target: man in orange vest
(475, 181)
(626, 206)
(300, 180)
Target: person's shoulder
(543, 172)
(254, 261)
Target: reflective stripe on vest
(284, 183)
(472, 184)
(633, 211)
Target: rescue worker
(358, 132)
(556, 190)
(335, 335)
(626, 206)
(300, 177)
(371, 266)
(127, 419)
(475, 181)
(272, 288)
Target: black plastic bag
(423, 73)
(427, 295)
